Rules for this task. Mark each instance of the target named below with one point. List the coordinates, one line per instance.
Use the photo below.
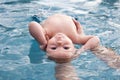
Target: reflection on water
(36, 55)
(65, 71)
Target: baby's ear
(47, 38)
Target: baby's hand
(43, 46)
(78, 52)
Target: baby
(57, 36)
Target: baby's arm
(89, 43)
(38, 33)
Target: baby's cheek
(67, 55)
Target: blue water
(20, 56)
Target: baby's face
(60, 47)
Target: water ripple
(21, 59)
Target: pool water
(20, 56)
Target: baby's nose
(59, 37)
(59, 43)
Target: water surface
(20, 56)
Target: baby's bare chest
(67, 30)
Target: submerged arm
(107, 55)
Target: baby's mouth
(60, 34)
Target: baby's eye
(53, 48)
(66, 48)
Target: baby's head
(60, 48)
